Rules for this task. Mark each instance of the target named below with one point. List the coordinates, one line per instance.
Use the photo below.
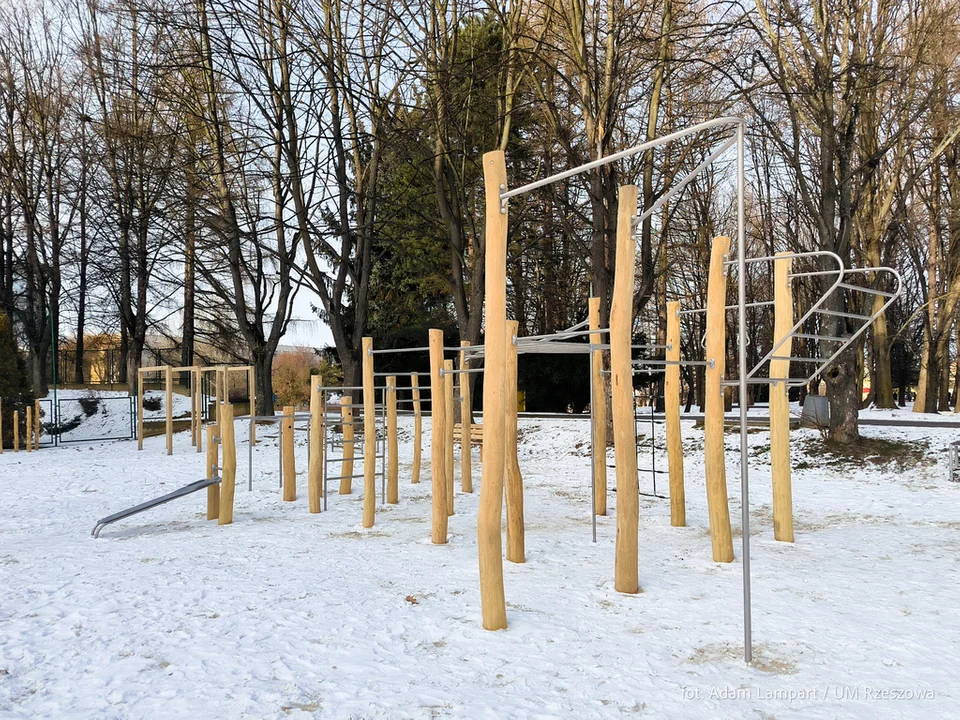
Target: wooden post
(16, 431)
(213, 492)
(448, 418)
(393, 462)
(438, 481)
(626, 574)
(490, 512)
(197, 383)
(315, 468)
(346, 467)
(466, 461)
(671, 409)
(715, 355)
(513, 480)
(780, 401)
(289, 460)
(36, 424)
(29, 429)
(139, 409)
(417, 428)
(252, 383)
(228, 469)
(1, 426)
(599, 409)
(168, 386)
(369, 436)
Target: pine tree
(14, 388)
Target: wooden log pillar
(438, 478)
(29, 429)
(197, 411)
(346, 467)
(315, 466)
(448, 423)
(369, 436)
(252, 384)
(1, 427)
(289, 459)
(139, 409)
(16, 431)
(168, 389)
(466, 412)
(671, 409)
(512, 479)
(490, 512)
(228, 469)
(417, 428)
(715, 355)
(599, 410)
(213, 492)
(393, 462)
(626, 572)
(36, 424)
(780, 402)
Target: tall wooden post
(715, 355)
(513, 480)
(1, 427)
(780, 401)
(29, 429)
(139, 409)
(346, 467)
(369, 436)
(438, 477)
(490, 512)
(228, 470)
(671, 409)
(417, 428)
(393, 462)
(315, 467)
(197, 408)
(252, 384)
(16, 431)
(626, 574)
(36, 424)
(466, 412)
(213, 492)
(168, 387)
(289, 459)
(448, 423)
(599, 410)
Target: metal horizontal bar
(838, 313)
(765, 381)
(792, 358)
(459, 372)
(630, 152)
(691, 311)
(339, 388)
(345, 477)
(826, 338)
(868, 290)
(384, 351)
(759, 303)
(813, 273)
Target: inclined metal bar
(630, 152)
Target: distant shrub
(151, 403)
(90, 405)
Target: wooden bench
(476, 434)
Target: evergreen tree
(14, 389)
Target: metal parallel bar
(839, 313)
(793, 358)
(868, 290)
(812, 273)
(691, 311)
(759, 303)
(339, 388)
(826, 338)
(345, 477)
(463, 371)
(384, 351)
(792, 256)
(630, 152)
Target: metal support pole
(742, 346)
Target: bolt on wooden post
(626, 568)
(671, 410)
(438, 478)
(715, 355)
(599, 410)
(513, 480)
(393, 462)
(289, 459)
(780, 400)
(417, 429)
(369, 436)
(490, 512)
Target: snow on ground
(287, 614)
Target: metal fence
(87, 419)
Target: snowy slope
(287, 614)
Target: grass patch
(877, 452)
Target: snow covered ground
(287, 614)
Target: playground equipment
(32, 426)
